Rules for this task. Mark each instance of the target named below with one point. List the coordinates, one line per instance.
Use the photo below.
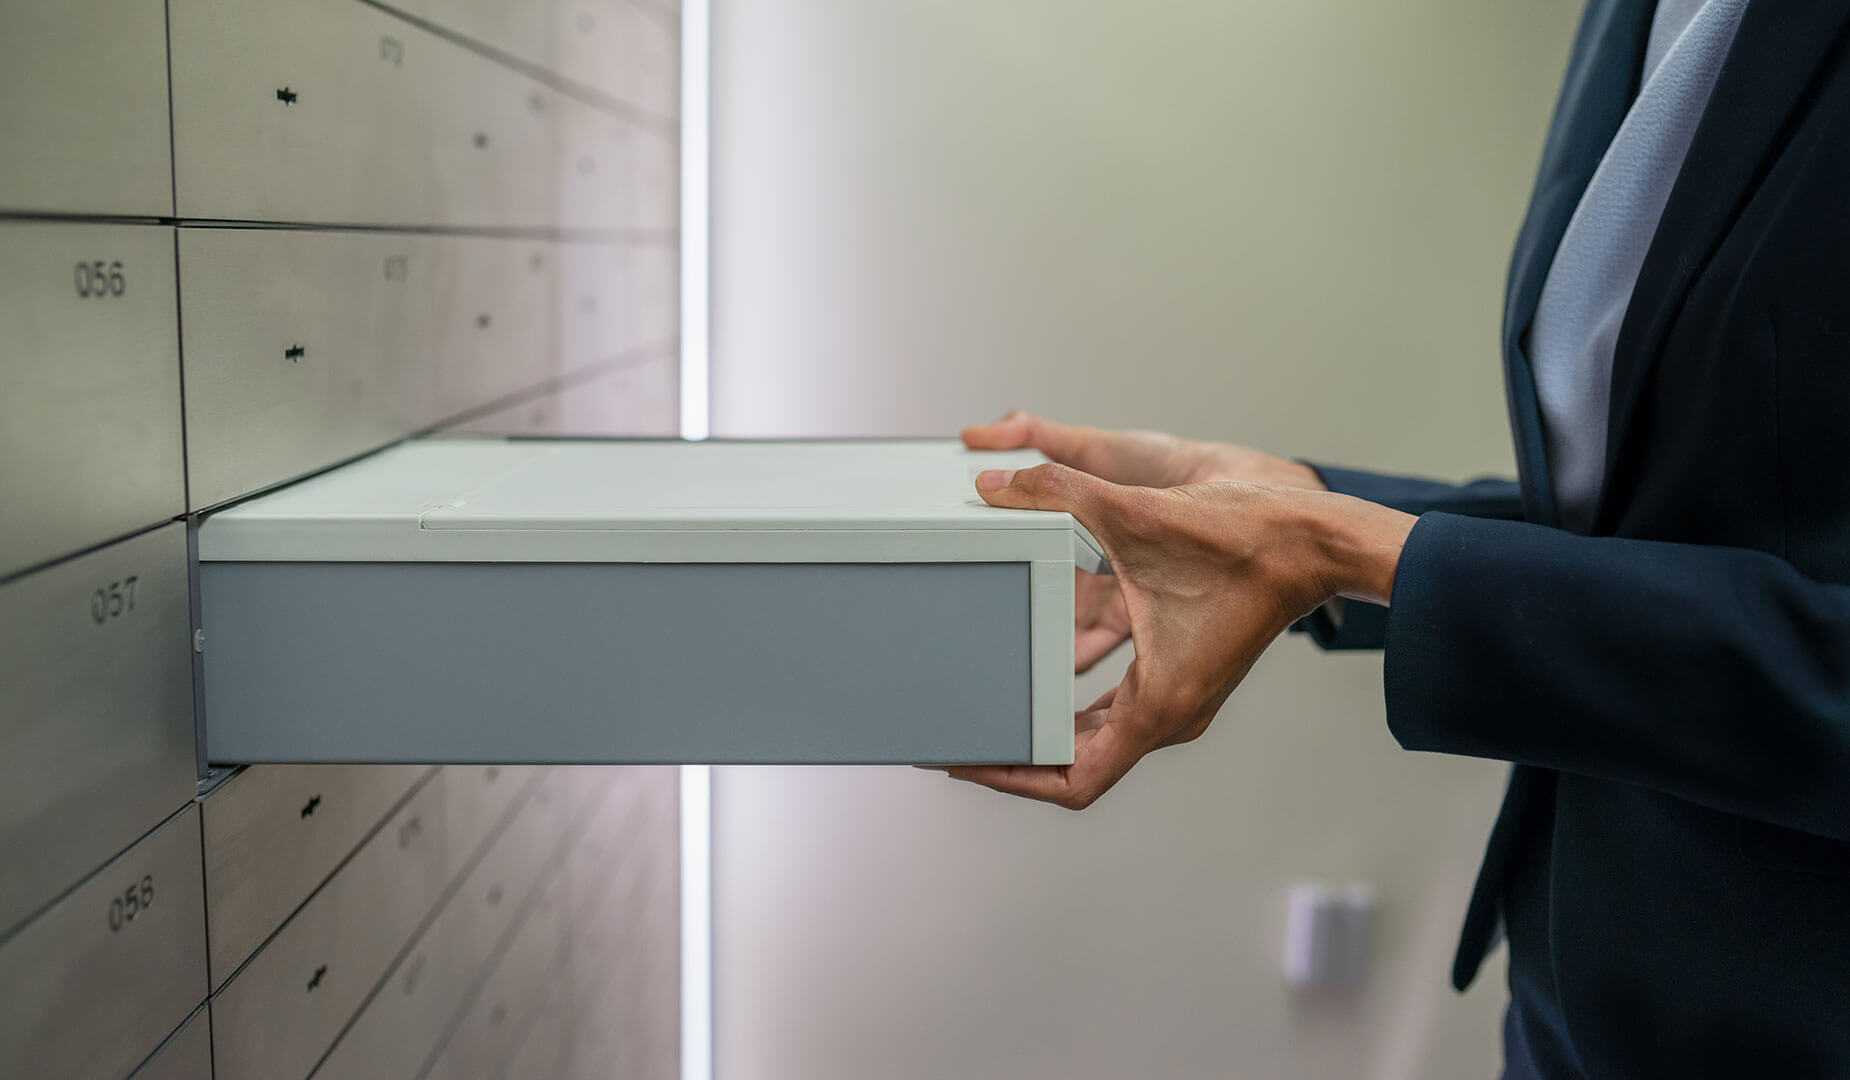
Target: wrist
(1226, 461)
(1354, 545)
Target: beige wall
(1279, 221)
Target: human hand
(1140, 458)
(1210, 574)
(1137, 458)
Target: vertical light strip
(696, 922)
(696, 216)
(696, 423)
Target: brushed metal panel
(630, 901)
(478, 796)
(186, 1055)
(273, 833)
(617, 47)
(307, 348)
(599, 160)
(493, 330)
(96, 733)
(506, 877)
(89, 353)
(641, 399)
(304, 348)
(599, 310)
(331, 111)
(83, 107)
(518, 29)
(282, 1010)
(403, 1024)
(484, 1040)
(92, 986)
(540, 1048)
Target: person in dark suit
(1652, 624)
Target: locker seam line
(218, 986)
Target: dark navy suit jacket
(1675, 688)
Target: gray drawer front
(282, 1010)
(332, 111)
(92, 986)
(97, 739)
(443, 690)
(187, 1054)
(89, 355)
(304, 349)
(275, 832)
(83, 107)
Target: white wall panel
(1281, 223)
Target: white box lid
(497, 500)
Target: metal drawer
(90, 420)
(479, 598)
(332, 111)
(641, 398)
(631, 911)
(186, 1055)
(598, 307)
(273, 833)
(482, 1042)
(477, 797)
(506, 877)
(282, 1010)
(92, 986)
(541, 1048)
(521, 30)
(402, 1024)
(96, 736)
(83, 107)
(617, 47)
(307, 348)
(614, 172)
(596, 848)
(492, 330)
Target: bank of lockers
(241, 242)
